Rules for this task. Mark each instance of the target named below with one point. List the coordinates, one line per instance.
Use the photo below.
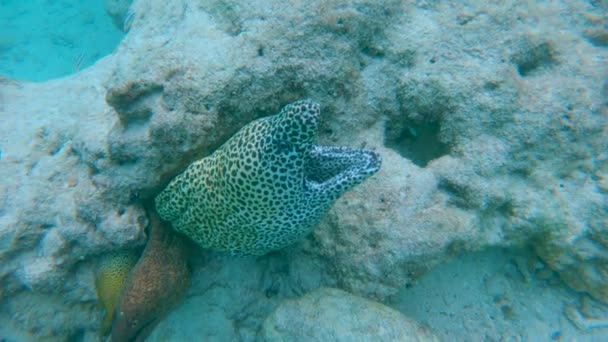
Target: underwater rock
(265, 188)
(334, 315)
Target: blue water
(45, 39)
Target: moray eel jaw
(331, 171)
(131, 329)
(266, 187)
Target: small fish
(78, 63)
(128, 21)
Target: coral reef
(157, 283)
(490, 118)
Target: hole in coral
(417, 142)
(372, 51)
(78, 335)
(530, 57)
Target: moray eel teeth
(266, 187)
(156, 284)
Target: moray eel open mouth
(266, 187)
(330, 166)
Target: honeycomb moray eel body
(157, 283)
(266, 187)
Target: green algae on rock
(266, 187)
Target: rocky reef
(308, 316)
(491, 121)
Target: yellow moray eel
(110, 274)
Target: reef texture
(491, 121)
(333, 315)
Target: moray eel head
(266, 187)
(110, 274)
(128, 327)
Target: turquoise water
(42, 39)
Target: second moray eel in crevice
(156, 284)
(266, 188)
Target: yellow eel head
(111, 272)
